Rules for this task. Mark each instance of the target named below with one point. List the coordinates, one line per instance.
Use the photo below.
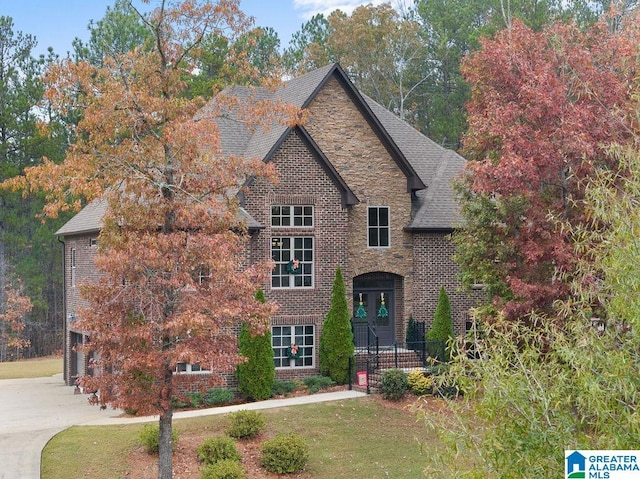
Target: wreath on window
(294, 267)
(293, 351)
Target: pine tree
(257, 374)
(336, 342)
(442, 327)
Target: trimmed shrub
(442, 328)
(245, 424)
(150, 438)
(419, 384)
(394, 384)
(218, 396)
(257, 374)
(216, 449)
(336, 341)
(285, 454)
(225, 469)
(316, 383)
(282, 388)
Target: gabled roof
(429, 168)
(236, 139)
(435, 207)
(88, 220)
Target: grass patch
(90, 451)
(347, 439)
(31, 368)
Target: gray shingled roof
(434, 207)
(88, 220)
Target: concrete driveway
(32, 411)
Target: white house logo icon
(576, 466)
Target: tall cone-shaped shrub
(257, 374)
(442, 327)
(336, 342)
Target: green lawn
(31, 368)
(356, 438)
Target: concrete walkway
(32, 411)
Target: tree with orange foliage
(174, 281)
(544, 106)
(13, 309)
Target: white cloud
(309, 8)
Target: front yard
(357, 438)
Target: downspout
(65, 344)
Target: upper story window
(378, 232)
(73, 267)
(293, 258)
(284, 216)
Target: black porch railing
(372, 359)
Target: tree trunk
(165, 443)
(165, 449)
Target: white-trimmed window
(188, 368)
(287, 216)
(378, 231)
(293, 346)
(73, 267)
(293, 258)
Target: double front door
(374, 307)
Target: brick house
(358, 188)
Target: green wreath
(293, 351)
(293, 267)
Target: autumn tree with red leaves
(174, 280)
(544, 106)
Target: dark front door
(374, 307)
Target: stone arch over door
(375, 294)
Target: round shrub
(216, 449)
(150, 438)
(245, 424)
(285, 454)
(419, 384)
(225, 469)
(394, 384)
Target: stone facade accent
(347, 139)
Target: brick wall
(434, 267)
(85, 272)
(302, 181)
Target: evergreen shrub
(215, 449)
(336, 341)
(245, 424)
(225, 469)
(440, 334)
(285, 454)
(394, 384)
(257, 374)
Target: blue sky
(56, 23)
